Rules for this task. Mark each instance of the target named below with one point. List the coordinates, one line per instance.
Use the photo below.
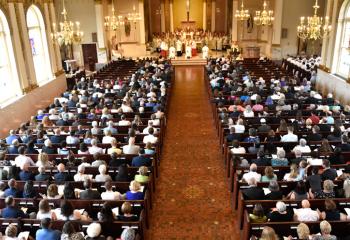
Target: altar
(188, 25)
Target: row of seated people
(275, 150)
(68, 155)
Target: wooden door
(90, 55)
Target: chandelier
(114, 22)
(242, 14)
(314, 28)
(67, 34)
(134, 16)
(264, 17)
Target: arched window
(9, 81)
(38, 43)
(343, 60)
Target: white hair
(93, 230)
(281, 207)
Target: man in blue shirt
(25, 174)
(46, 233)
(11, 137)
(11, 211)
(12, 190)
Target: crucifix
(188, 10)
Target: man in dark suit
(264, 127)
(328, 173)
(42, 176)
(253, 192)
(345, 146)
(141, 160)
(233, 135)
(315, 135)
(88, 193)
(261, 159)
(25, 174)
(324, 126)
(62, 176)
(11, 211)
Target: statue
(127, 27)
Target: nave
(192, 199)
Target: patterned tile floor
(192, 199)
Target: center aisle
(192, 198)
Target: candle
(187, 5)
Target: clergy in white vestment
(205, 52)
(178, 48)
(172, 52)
(219, 43)
(188, 51)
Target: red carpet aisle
(192, 199)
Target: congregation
(85, 167)
(285, 149)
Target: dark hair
(21, 150)
(68, 191)
(258, 210)
(66, 209)
(83, 147)
(45, 223)
(28, 190)
(68, 228)
(106, 214)
(300, 188)
(122, 175)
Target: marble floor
(192, 199)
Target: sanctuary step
(195, 61)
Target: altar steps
(182, 61)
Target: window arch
(342, 61)
(38, 43)
(9, 81)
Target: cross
(188, 10)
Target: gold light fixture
(134, 16)
(242, 14)
(264, 17)
(67, 34)
(114, 22)
(314, 28)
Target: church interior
(174, 119)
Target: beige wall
(82, 11)
(196, 12)
(21, 110)
(292, 11)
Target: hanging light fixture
(134, 16)
(114, 22)
(314, 28)
(242, 14)
(264, 17)
(67, 34)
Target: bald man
(305, 213)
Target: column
(213, 13)
(17, 48)
(234, 36)
(49, 39)
(27, 50)
(325, 41)
(56, 46)
(142, 22)
(331, 42)
(100, 24)
(162, 16)
(171, 16)
(277, 25)
(204, 15)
